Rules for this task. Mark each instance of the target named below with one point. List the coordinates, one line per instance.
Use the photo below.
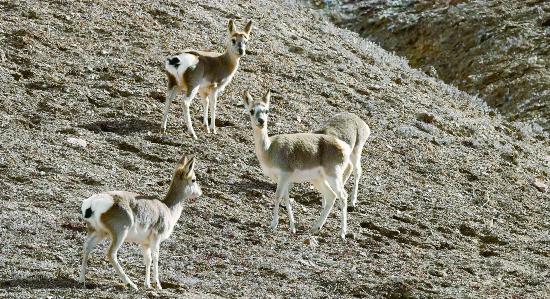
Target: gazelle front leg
(156, 253)
(282, 185)
(213, 100)
(170, 95)
(186, 114)
(206, 102)
(147, 261)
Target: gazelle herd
(326, 158)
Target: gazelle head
(259, 109)
(184, 177)
(238, 39)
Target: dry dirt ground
(447, 206)
(498, 49)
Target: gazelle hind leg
(170, 96)
(357, 176)
(213, 100)
(91, 242)
(287, 195)
(205, 103)
(186, 113)
(337, 185)
(355, 158)
(329, 197)
(288, 203)
(116, 241)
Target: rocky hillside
(497, 49)
(453, 201)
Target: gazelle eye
(251, 112)
(233, 41)
(193, 180)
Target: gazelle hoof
(133, 286)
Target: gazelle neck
(261, 140)
(174, 199)
(230, 59)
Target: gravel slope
(497, 49)
(447, 205)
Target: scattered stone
(542, 187)
(77, 142)
(350, 236)
(296, 50)
(436, 273)
(426, 117)
(311, 242)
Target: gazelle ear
(267, 98)
(247, 99)
(190, 165)
(231, 26)
(248, 28)
(182, 161)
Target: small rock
(311, 241)
(77, 141)
(350, 236)
(436, 273)
(431, 71)
(542, 187)
(425, 117)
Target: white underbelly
(138, 234)
(298, 175)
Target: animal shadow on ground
(121, 126)
(253, 184)
(257, 187)
(42, 283)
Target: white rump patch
(99, 203)
(185, 61)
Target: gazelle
(351, 129)
(205, 73)
(303, 157)
(128, 217)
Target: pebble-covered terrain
(497, 49)
(453, 201)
